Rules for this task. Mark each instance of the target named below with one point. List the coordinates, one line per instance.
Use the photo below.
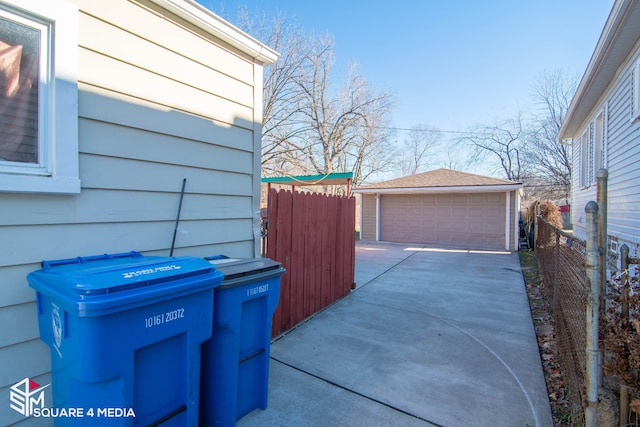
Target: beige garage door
(471, 221)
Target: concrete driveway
(430, 337)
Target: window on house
(635, 92)
(20, 60)
(593, 149)
(584, 158)
(598, 144)
(38, 96)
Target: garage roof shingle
(439, 178)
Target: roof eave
(435, 190)
(205, 19)
(579, 109)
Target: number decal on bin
(258, 290)
(167, 317)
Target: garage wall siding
(368, 226)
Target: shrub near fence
(561, 260)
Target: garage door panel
(462, 199)
(475, 198)
(475, 220)
(494, 212)
(428, 212)
(461, 227)
(459, 212)
(444, 199)
(445, 225)
(493, 228)
(494, 242)
(429, 226)
(425, 236)
(428, 199)
(494, 197)
(477, 225)
(476, 240)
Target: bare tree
(281, 93)
(547, 159)
(344, 121)
(374, 155)
(502, 142)
(418, 149)
(312, 123)
(452, 157)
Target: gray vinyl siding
(623, 157)
(368, 227)
(159, 101)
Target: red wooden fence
(313, 237)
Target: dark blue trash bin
(235, 361)
(125, 332)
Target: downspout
(516, 216)
(507, 232)
(378, 217)
(361, 214)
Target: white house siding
(159, 101)
(624, 173)
(623, 156)
(580, 196)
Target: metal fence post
(535, 224)
(602, 195)
(593, 299)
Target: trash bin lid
(234, 270)
(112, 279)
(242, 271)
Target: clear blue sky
(451, 64)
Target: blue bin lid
(109, 281)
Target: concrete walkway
(431, 337)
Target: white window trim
(635, 93)
(584, 151)
(61, 172)
(599, 143)
(589, 148)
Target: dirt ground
(543, 323)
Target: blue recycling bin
(235, 360)
(125, 332)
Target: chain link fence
(561, 260)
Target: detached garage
(442, 207)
